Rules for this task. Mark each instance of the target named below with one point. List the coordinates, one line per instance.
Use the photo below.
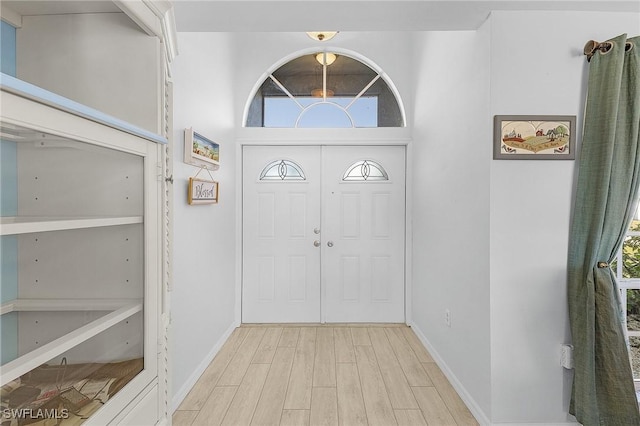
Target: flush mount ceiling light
(325, 58)
(322, 35)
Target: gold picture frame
(202, 191)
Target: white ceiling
(314, 15)
(362, 15)
(51, 7)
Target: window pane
(326, 115)
(300, 76)
(389, 114)
(280, 112)
(364, 112)
(633, 309)
(631, 257)
(347, 77)
(635, 222)
(634, 353)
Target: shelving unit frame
(28, 106)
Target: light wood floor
(323, 375)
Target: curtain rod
(592, 46)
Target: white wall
(204, 239)
(537, 67)
(450, 164)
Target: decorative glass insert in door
(282, 170)
(365, 170)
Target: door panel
(281, 265)
(364, 234)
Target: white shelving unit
(83, 255)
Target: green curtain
(606, 198)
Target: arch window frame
(325, 97)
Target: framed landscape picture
(200, 151)
(534, 137)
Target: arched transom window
(327, 90)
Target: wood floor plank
(397, 386)
(360, 336)
(216, 406)
(267, 348)
(433, 407)
(324, 368)
(456, 406)
(417, 346)
(289, 337)
(324, 407)
(246, 398)
(376, 400)
(183, 417)
(301, 379)
(238, 365)
(295, 418)
(412, 367)
(410, 418)
(200, 392)
(351, 409)
(269, 408)
(344, 345)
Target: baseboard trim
(475, 409)
(568, 423)
(190, 383)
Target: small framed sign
(203, 191)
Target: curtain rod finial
(590, 47)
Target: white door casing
(324, 249)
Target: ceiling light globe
(326, 58)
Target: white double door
(323, 234)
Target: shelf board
(16, 225)
(27, 362)
(59, 305)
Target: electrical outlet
(447, 317)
